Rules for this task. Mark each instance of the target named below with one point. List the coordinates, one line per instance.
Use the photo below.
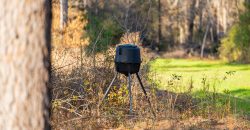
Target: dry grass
(72, 35)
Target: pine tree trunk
(24, 64)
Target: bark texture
(24, 64)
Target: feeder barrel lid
(128, 53)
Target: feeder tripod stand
(130, 92)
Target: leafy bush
(228, 49)
(236, 46)
(102, 32)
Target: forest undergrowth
(78, 86)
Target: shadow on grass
(239, 106)
(237, 64)
(245, 93)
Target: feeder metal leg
(108, 89)
(130, 94)
(145, 93)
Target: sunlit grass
(227, 79)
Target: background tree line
(196, 26)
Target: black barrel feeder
(127, 59)
(127, 62)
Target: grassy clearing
(227, 80)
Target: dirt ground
(195, 123)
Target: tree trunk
(159, 23)
(191, 18)
(85, 4)
(96, 7)
(24, 64)
(204, 40)
(63, 13)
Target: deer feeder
(127, 62)
(127, 59)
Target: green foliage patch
(205, 79)
(236, 45)
(102, 32)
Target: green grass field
(227, 79)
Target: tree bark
(63, 13)
(204, 40)
(24, 64)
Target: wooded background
(197, 27)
